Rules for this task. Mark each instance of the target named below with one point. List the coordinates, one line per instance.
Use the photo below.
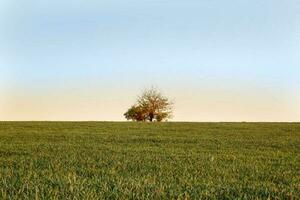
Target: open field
(96, 160)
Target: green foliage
(135, 113)
(97, 160)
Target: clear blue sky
(235, 60)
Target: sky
(234, 60)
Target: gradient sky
(234, 60)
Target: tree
(150, 106)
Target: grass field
(96, 160)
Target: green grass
(97, 160)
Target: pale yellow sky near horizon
(206, 104)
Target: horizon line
(119, 121)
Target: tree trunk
(151, 116)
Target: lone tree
(150, 106)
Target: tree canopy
(150, 106)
